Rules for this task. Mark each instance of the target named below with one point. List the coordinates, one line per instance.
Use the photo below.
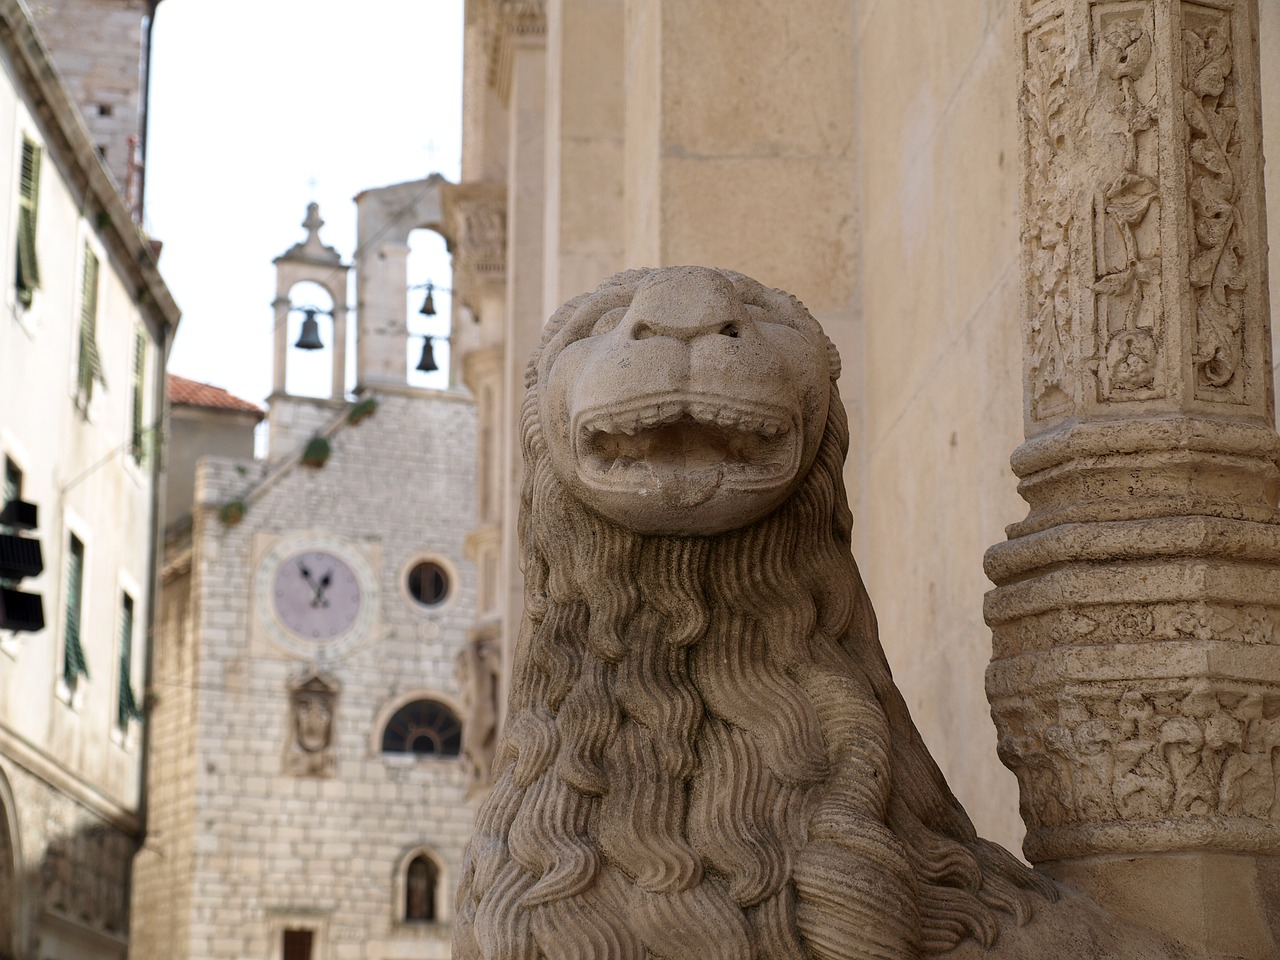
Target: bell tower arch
(294, 418)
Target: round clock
(316, 595)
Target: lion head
(705, 754)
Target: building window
(428, 583)
(126, 703)
(425, 728)
(27, 269)
(73, 663)
(297, 944)
(420, 882)
(89, 365)
(136, 426)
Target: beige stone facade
(866, 156)
(85, 332)
(308, 793)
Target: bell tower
(293, 419)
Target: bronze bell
(309, 339)
(429, 304)
(427, 364)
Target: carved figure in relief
(309, 750)
(1128, 273)
(1146, 754)
(1144, 785)
(705, 754)
(478, 671)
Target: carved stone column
(1136, 673)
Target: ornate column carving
(1136, 673)
(510, 22)
(475, 217)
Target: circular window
(428, 583)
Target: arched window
(420, 882)
(425, 728)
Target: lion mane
(705, 753)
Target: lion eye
(608, 322)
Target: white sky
(257, 108)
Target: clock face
(316, 595)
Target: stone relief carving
(1164, 751)
(1049, 225)
(476, 222)
(1119, 623)
(479, 672)
(705, 754)
(309, 749)
(1127, 272)
(1217, 274)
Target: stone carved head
(309, 751)
(705, 755)
(687, 407)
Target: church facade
(1023, 224)
(307, 787)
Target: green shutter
(73, 663)
(126, 703)
(90, 363)
(136, 395)
(27, 277)
(12, 480)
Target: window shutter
(28, 268)
(90, 365)
(74, 665)
(136, 395)
(126, 703)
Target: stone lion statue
(705, 754)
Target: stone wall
(98, 47)
(73, 874)
(164, 869)
(936, 381)
(271, 848)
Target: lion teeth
(670, 412)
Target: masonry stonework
(261, 842)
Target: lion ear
(833, 360)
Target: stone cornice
(510, 23)
(39, 764)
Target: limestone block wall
(163, 874)
(72, 879)
(937, 379)
(98, 46)
(269, 848)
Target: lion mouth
(686, 447)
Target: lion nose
(691, 325)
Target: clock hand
(306, 574)
(321, 599)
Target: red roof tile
(190, 393)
